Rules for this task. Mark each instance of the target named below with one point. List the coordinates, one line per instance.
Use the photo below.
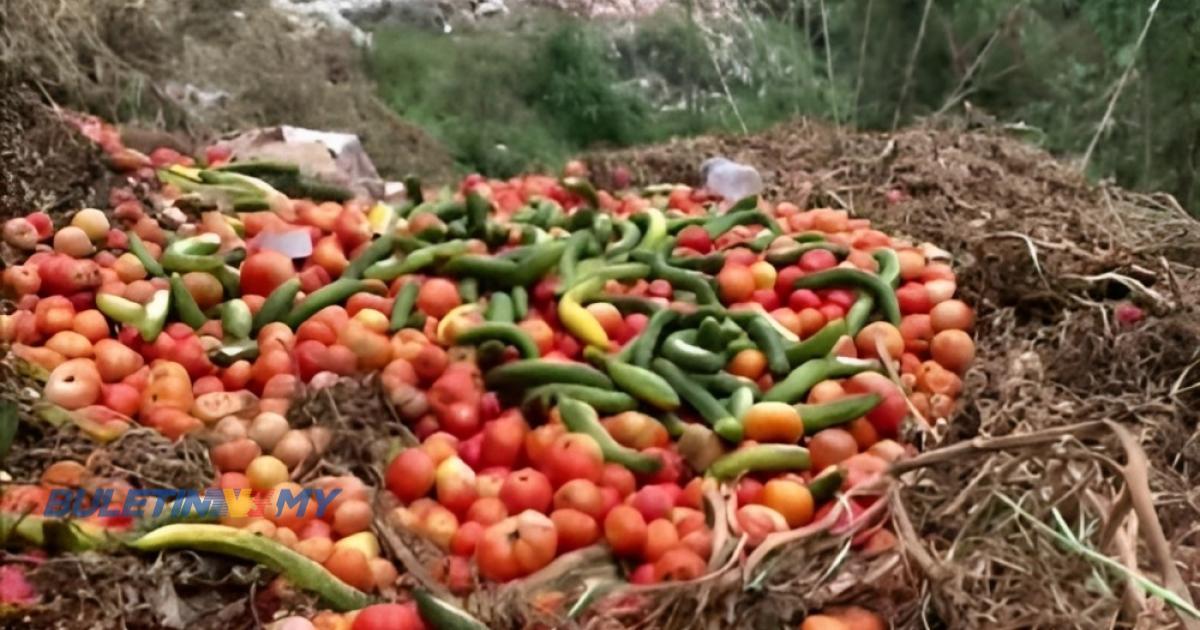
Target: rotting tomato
(516, 546)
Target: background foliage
(509, 97)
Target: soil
(1045, 256)
(205, 67)
(44, 164)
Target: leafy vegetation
(506, 101)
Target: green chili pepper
(500, 308)
(770, 343)
(185, 305)
(236, 321)
(841, 276)
(449, 211)
(412, 189)
(602, 400)
(234, 257)
(681, 279)
(277, 305)
(255, 168)
(741, 401)
(654, 231)
(889, 266)
(859, 312)
(723, 423)
(570, 258)
(802, 379)
(525, 373)
(761, 458)
(709, 336)
(647, 342)
(374, 252)
(506, 333)
(194, 253)
(745, 203)
(538, 262)
(392, 268)
(520, 299)
(478, 210)
(402, 308)
(630, 235)
(148, 319)
(837, 412)
(333, 293)
(138, 249)
(680, 348)
(230, 279)
(722, 224)
(642, 383)
(583, 189)
(468, 289)
(672, 423)
(701, 313)
(788, 255)
(675, 226)
(581, 219)
(579, 417)
(819, 344)
(602, 230)
(725, 383)
(710, 264)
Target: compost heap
(543, 401)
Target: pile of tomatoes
(500, 486)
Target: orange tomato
(437, 296)
(661, 537)
(91, 324)
(736, 283)
(823, 622)
(952, 314)
(773, 422)
(953, 349)
(541, 332)
(825, 391)
(625, 530)
(791, 499)
(864, 433)
(575, 529)
(169, 386)
(749, 363)
(871, 334)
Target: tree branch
(1112, 102)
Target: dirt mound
(44, 163)
(1046, 257)
(207, 66)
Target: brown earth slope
(1045, 256)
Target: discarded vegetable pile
(664, 375)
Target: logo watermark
(208, 503)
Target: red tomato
(887, 416)
(410, 476)
(526, 489)
(817, 260)
(573, 456)
(695, 237)
(265, 270)
(767, 297)
(503, 440)
(801, 299)
(389, 617)
(679, 565)
(913, 298)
